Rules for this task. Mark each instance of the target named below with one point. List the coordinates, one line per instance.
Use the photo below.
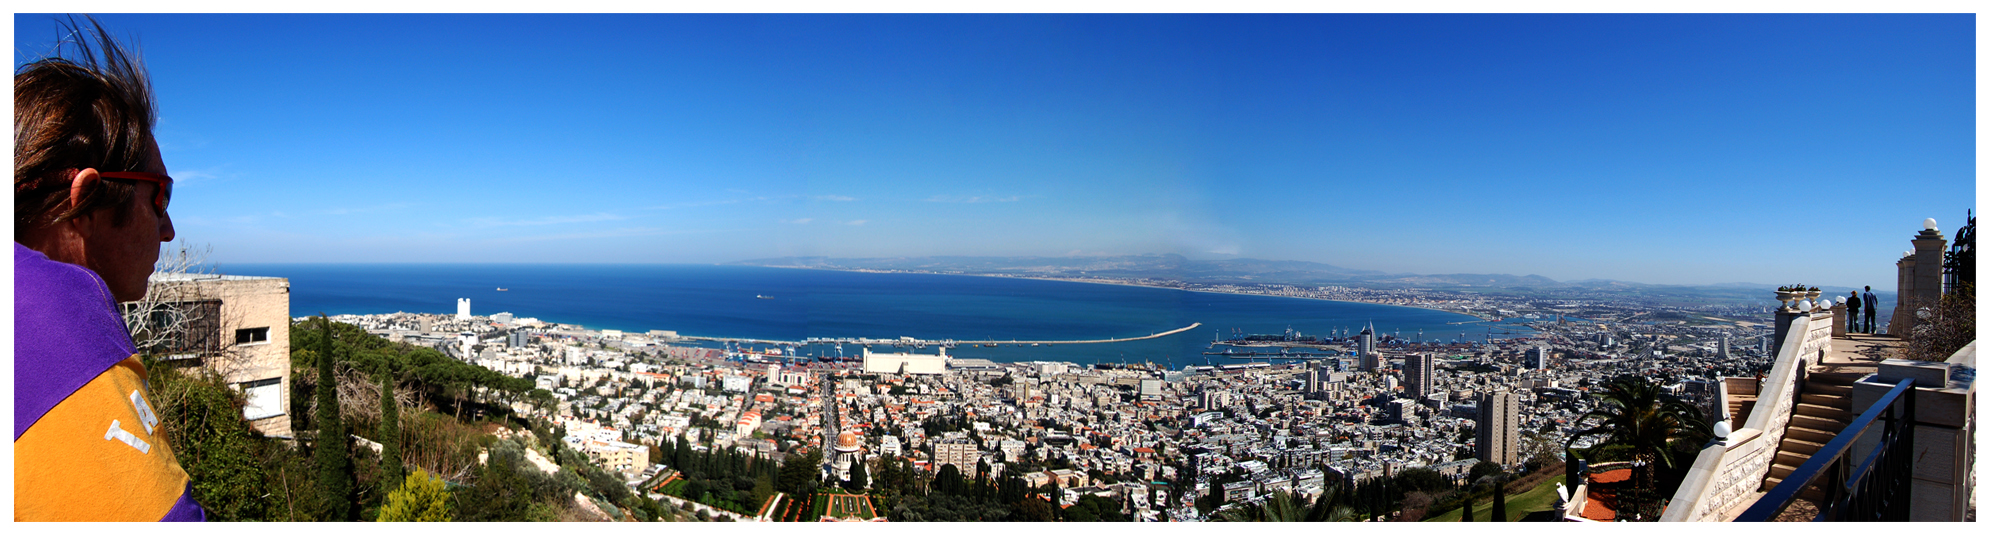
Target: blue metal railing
(1878, 490)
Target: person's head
(89, 184)
(1869, 289)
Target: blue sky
(1674, 149)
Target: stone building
(236, 326)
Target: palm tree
(1635, 415)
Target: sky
(1666, 149)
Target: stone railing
(1726, 478)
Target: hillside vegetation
(458, 451)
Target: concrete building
(1418, 376)
(959, 452)
(1499, 427)
(236, 326)
(906, 363)
(1369, 360)
(463, 309)
(618, 455)
(1538, 358)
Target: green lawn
(847, 505)
(1540, 498)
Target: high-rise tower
(1369, 360)
(463, 308)
(1417, 376)
(1499, 427)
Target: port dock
(950, 342)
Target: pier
(950, 342)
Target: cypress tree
(390, 435)
(334, 449)
(1499, 499)
(858, 478)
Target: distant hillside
(1246, 270)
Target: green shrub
(420, 498)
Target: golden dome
(847, 441)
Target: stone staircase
(1823, 409)
(1739, 406)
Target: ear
(85, 180)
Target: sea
(797, 304)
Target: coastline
(1111, 282)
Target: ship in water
(763, 297)
(503, 290)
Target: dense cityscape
(1156, 442)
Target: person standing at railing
(1872, 305)
(1852, 312)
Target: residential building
(1499, 427)
(236, 326)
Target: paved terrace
(1861, 353)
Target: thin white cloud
(548, 220)
(837, 198)
(972, 198)
(857, 223)
(802, 221)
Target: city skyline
(1665, 149)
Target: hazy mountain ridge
(1248, 270)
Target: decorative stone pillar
(1921, 279)
(1784, 317)
(1838, 319)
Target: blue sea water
(704, 300)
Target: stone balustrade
(1726, 478)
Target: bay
(725, 301)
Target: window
(265, 398)
(257, 335)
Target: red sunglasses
(159, 200)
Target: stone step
(1740, 411)
(1833, 378)
(1800, 446)
(1818, 436)
(1779, 470)
(1828, 425)
(1826, 412)
(1828, 390)
(1828, 400)
(1792, 458)
(1812, 494)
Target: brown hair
(73, 113)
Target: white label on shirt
(119, 434)
(145, 415)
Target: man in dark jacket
(1852, 312)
